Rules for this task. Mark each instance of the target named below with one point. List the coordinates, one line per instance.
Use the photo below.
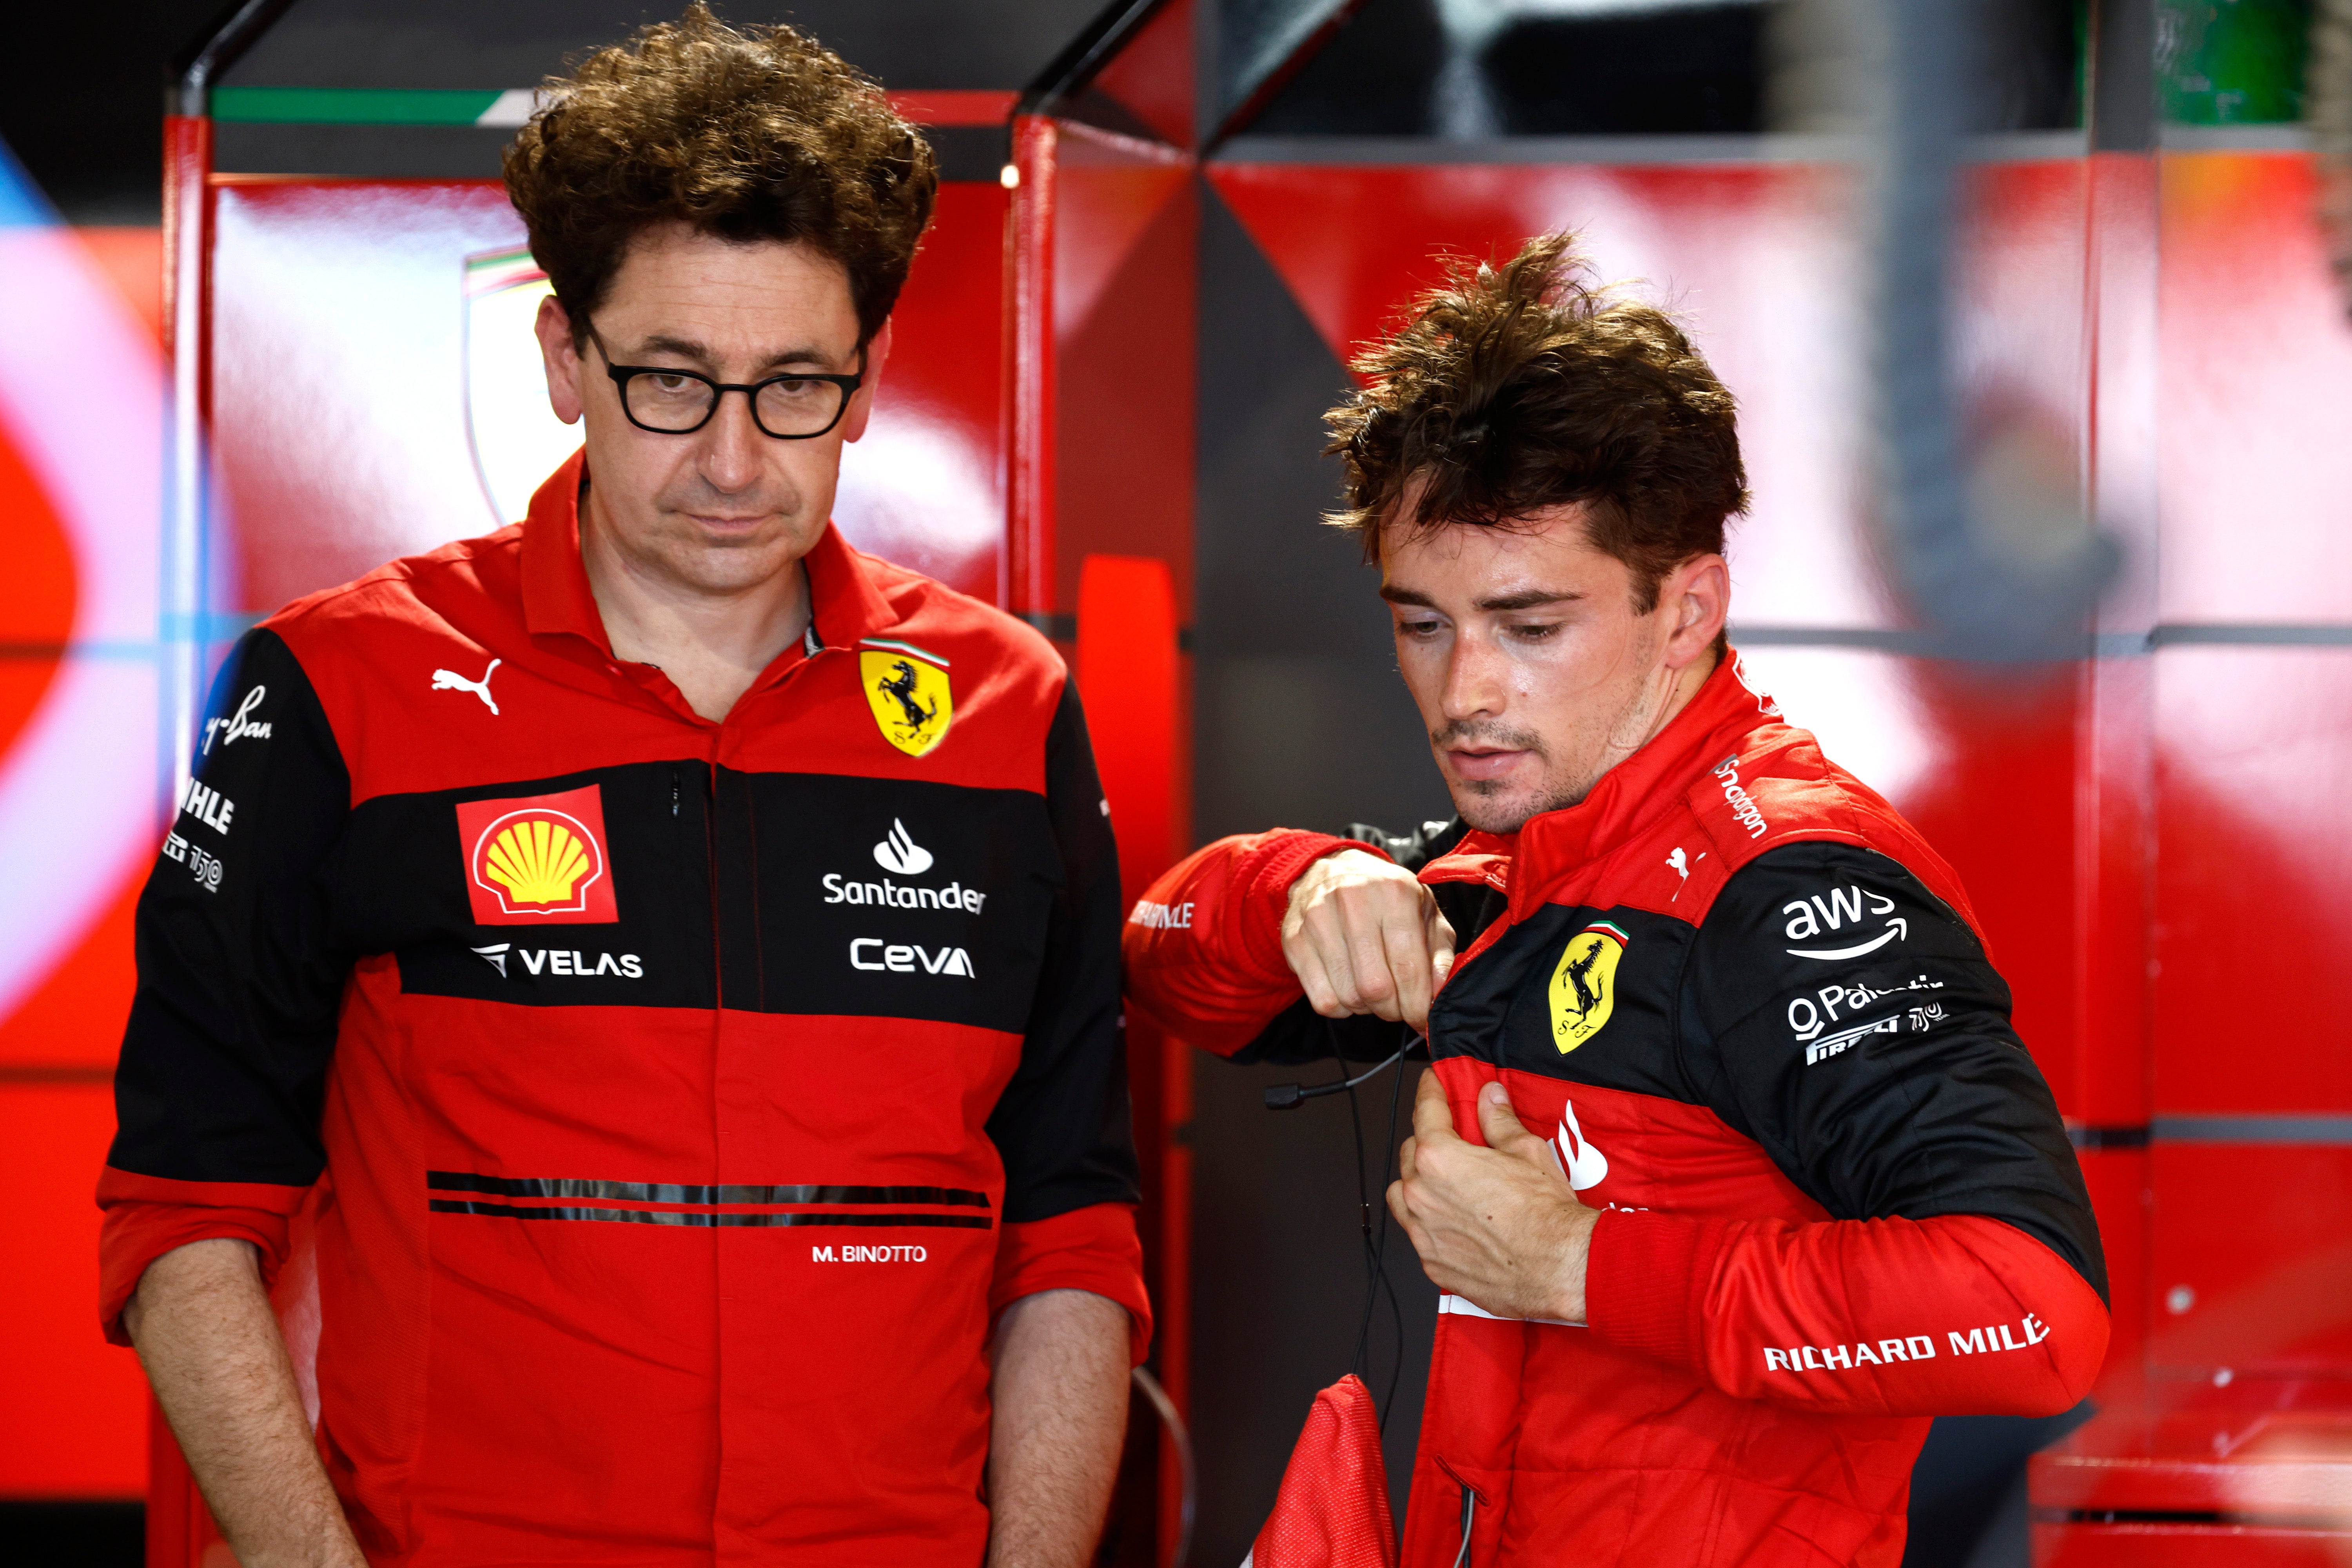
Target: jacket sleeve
(1839, 1014)
(223, 1063)
(1063, 1126)
(1204, 945)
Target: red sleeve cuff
(1094, 1248)
(147, 1217)
(1265, 900)
(1645, 1282)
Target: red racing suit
(1748, 1007)
(672, 1104)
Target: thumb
(1441, 948)
(1501, 1125)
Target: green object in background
(365, 106)
(2231, 62)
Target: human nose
(733, 445)
(1476, 684)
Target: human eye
(1533, 631)
(1419, 629)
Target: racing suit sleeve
(1204, 945)
(1063, 1126)
(222, 1075)
(1839, 1014)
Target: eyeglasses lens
(787, 407)
(670, 402)
(798, 408)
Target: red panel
(2250, 880)
(1029, 318)
(72, 1407)
(2265, 1457)
(73, 1020)
(1124, 311)
(2119, 1184)
(956, 106)
(1151, 75)
(2186, 1546)
(2251, 1259)
(36, 593)
(1126, 674)
(926, 487)
(2256, 472)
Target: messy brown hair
(758, 134)
(1515, 388)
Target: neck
(710, 644)
(1664, 695)
(1679, 691)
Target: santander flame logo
(1586, 1165)
(898, 852)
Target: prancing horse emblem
(1584, 985)
(907, 690)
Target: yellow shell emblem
(1584, 985)
(538, 861)
(907, 690)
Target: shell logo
(537, 861)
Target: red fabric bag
(1333, 1508)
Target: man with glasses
(642, 985)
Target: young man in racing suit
(665, 959)
(1730, 1168)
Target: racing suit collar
(1714, 723)
(845, 603)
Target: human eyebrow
(684, 348)
(700, 352)
(807, 353)
(1412, 596)
(1528, 599)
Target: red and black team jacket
(672, 1103)
(1748, 1007)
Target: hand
(1364, 936)
(1498, 1226)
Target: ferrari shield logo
(907, 689)
(516, 437)
(1584, 985)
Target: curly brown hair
(1515, 388)
(761, 134)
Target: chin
(1490, 807)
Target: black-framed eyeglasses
(795, 406)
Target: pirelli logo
(725, 1206)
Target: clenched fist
(1364, 936)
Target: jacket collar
(845, 601)
(1714, 724)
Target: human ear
(1697, 594)
(561, 354)
(861, 402)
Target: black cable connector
(1291, 1096)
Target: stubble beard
(1627, 730)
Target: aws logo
(907, 690)
(539, 860)
(1584, 985)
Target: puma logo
(450, 680)
(1682, 866)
